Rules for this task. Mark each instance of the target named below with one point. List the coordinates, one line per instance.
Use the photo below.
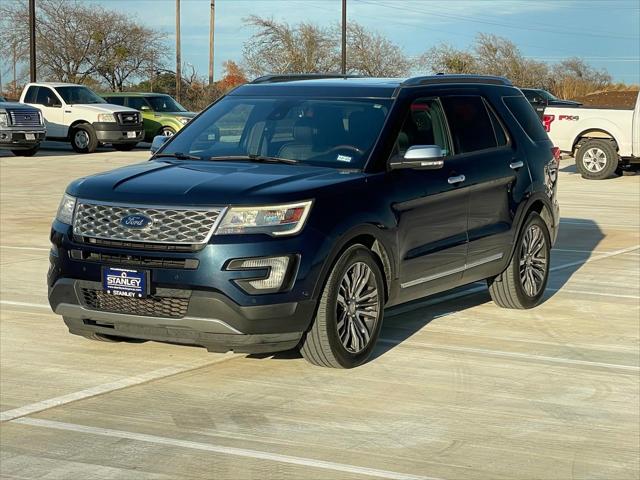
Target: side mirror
(52, 102)
(144, 108)
(420, 157)
(157, 142)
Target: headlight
(66, 209)
(184, 120)
(106, 118)
(4, 120)
(273, 220)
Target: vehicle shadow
(577, 242)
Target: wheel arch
(594, 133)
(537, 203)
(74, 125)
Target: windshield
(326, 132)
(164, 103)
(78, 95)
(547, 95)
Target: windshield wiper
(178, 155)
(256, 158)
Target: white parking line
(25, 304)
(502, 353)
(32, 408)
(595, 257)
(599, 294)
(39, 249)
(220, 449)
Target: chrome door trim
(430, 278)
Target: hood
(102, 107)
(209, 183)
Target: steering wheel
(346, 147)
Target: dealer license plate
(29, 136)
(125, 282)
(131, 135)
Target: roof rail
(456, 78)
(291, 77)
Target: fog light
(274, 273)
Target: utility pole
(32, 40)
(212, 22)
(178, 56)
(344, 37)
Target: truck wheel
(167, 132)
(597, 159)
(521, 285)
(349, 316)
(26, 153)
(125, 147)
(84, 139)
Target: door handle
(456, 179)
(516, 165)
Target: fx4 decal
(569, 117)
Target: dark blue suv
(292, 211)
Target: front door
(45, 99)
(431, 208)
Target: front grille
(128, 118)
(136, 260)
(152, 306)
(25, 117)
(166, 225)
(160, 247)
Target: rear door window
(469, 123)
(526, 117)
(136, 102)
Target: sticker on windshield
(344, 158)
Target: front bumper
(115, 133)
(212, 320)
(17, 139)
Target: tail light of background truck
(546, 121)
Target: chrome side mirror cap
(157, 142)
(420, 157)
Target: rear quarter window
(527, 117)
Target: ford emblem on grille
(135, 221)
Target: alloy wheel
(82, 139)
(358, 307)
(167, 132)
(533, 260)
(594, 160)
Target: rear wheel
(597, 159)
(84, 139)
(26, 153)
(523, 282)
(349, 315)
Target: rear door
(431, 207)
(491, 170)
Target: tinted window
(498, 129)
(424, 125)
(526, 117)
(115, 100)
(136, 102)
(78, 95)
(164, 103)
(46, 97)
(469, 123)
(317, 131)
(31, 95)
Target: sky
(606, 33)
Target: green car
(161, 114)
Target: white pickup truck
(74, 113)
(602, 140)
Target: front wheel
(167, 132)
(521, 285)
(84, 138)
(349, 315)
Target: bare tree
(281, 48)
(76, 40)
(573, 78)
(446, 59)
(372, 54)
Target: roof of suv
(355, 86)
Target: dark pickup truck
(21, 128)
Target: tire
(508, 290)
(125, 147)
(26, 153)
(327, 344)
(167, 132)
(84, 139)
(597, 159)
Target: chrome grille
(167, 226)
(128, 118)
(25, 118)
(152, 306)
